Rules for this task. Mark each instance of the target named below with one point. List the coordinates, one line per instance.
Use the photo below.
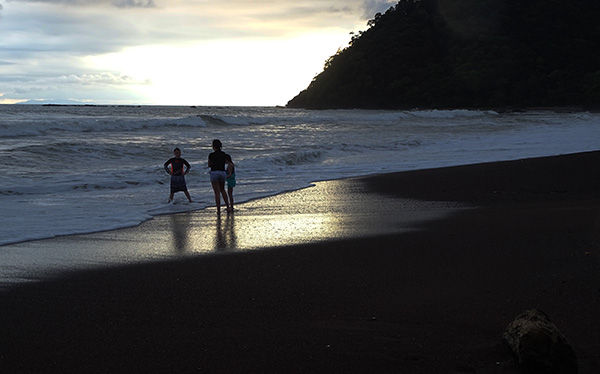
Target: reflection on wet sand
(322, 212)
(202, 232)
(328, 211)
(180, 231)
(225, 237)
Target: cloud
(104, 87)
(247, 9)
(83, 3)
(49, 45)
(26, 83)
(134, 3)
(372, 7)
(41, 28)
(106, 79)
(69, 26)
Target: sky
(171, 52)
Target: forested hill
(467, 54)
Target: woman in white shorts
(218, 174)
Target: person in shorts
(178, 167)
(218, 174)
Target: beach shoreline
(403, 295)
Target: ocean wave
(92, 125)
(104, 122)
(381, 117)
(111, 125)
(297, 158)
(453, 113)
(193, 121)
(62, 186)
(391, 145)
(225, 120)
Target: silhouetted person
(230, 179)
(218, 174)
(178, 167)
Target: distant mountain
(467, 54)
(56, 102)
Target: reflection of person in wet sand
(225, 238)
(180, 232)
(178, 167)
(216, 162)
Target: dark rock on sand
(539, 344)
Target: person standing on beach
(230, 179)
(178, 167)
(216, 162)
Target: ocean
(83, 169)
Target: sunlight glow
(7, 101)
(233, 72)
(289, 229)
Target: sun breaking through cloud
(184, 52)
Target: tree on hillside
(466, 53)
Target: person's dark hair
(176, 149)
(217, 144)
(228, 157)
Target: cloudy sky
(171, 52)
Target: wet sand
(416, 272)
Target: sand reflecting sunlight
(327, 211)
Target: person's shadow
(225, 238)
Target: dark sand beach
(384, 284)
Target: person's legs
(187, 194)
(230, 193)
(224, 193)
(217, 189)
(172, 194)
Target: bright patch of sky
(180, 52)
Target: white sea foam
(70, 170)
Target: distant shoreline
(556, 109)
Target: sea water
(81, 169)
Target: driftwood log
(539, 345)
